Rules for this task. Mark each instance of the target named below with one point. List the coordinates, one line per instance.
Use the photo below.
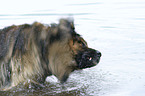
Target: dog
(31, 52)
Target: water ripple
(84, 4)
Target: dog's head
(85, 57)
(69, 51)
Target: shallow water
(114, 27)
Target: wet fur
(33, 52)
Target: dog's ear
(67, 25)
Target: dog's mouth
(87, 58)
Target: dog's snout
(98, 54)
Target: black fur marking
(5, 71)
(20, 39)
(86, 58)
(19, 43)
(44, 53)
(64, 78)
(8, 28)
(55, 37)
(3, 45)
(5, 37)
(43, 49)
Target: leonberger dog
(31, 52)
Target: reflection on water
(115, 27)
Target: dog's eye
(82, 44)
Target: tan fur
(61, 59)
(32, 52)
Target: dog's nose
(98, 54)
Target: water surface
(114, 27)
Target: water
(114, 27)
